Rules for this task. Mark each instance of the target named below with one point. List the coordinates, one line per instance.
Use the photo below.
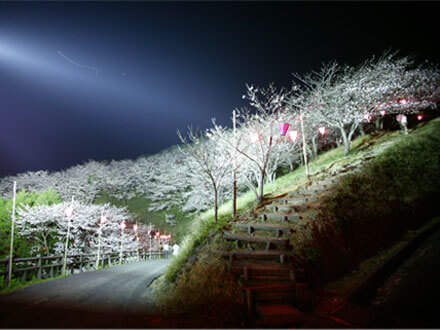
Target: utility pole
(12, 233)
(234, 199)
(304, 144)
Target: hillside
(385, 187)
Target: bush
(373, 208)
(21, 246)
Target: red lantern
(283, 128)
(403, 101)
(419, 117)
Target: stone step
(280, 256)
(251, 227)
(276, 315)
(269, 241)
(280, 216)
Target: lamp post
(123, 225)
(68, 212)
(102, 220)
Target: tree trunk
(314, 148)
(215, 204)
(261, 186)
(346, 141)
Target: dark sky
(110, 80)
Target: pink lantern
(123, 225)
(68, 212)
(419, 117)
(135, 228)
(255, 137)
(283, 128)
(321, 130)
(399, 117)
(293, 134)
(367, 117)
(382, 112)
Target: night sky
(110, 80)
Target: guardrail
(41, 267)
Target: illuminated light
(383, 112)
(123, 225)
(255, 137)
(135, 227)
(367, 117)
(283, 128)
(102, 219)
(321, 130)
(403, 101)
(293, 134)
(419, 117)
(157, 234)
(69, 212)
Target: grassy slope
(367, 212)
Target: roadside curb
(361, 294)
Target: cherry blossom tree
(46, 226)
(207, 161)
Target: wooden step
(283, 217)
(297, 200)
(280, 256)
(276, 315)
(304, 193)
(286, 208)
(272, 272)
(269, 241)
(315, 188)
(251, 227)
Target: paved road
(411, 295)
(115, 297)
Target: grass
(372, 208)
(138, 208)
(16, 284)
(336, 241)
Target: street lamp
(68, 212)
(122, 225)
(102, 220)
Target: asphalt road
(114, 297)
(411, 294)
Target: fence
(41, 267)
